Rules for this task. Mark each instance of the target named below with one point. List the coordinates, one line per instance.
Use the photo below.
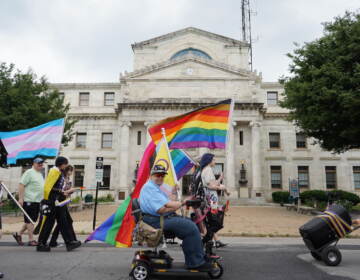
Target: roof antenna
(246, 27)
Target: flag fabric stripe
(182, 162)
(4, 135)
(46, 152)
(118, 219)
(43, 140)
(207, 121)
(199, 144)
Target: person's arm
(171, 206)
(21, 194)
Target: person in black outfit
(53, 192)
(67, 190)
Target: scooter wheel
(140, 271)
(316, 256)
(217, 271)
(331, 256)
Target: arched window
(192, 51)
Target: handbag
(148, 234)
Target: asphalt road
(258, 260)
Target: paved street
(245, 258)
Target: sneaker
(18, 239)
(219, 244)
(1, 275)
(43, 248)
(72, 245)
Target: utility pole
(246, 28)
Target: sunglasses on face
(159, 175)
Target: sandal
(32, 243)
(18, 239)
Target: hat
(38, 160)
(158, 169)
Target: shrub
(280, 197)
(313, 196)
(345, 196)
(108, 198)
(76, 200)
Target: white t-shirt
(207, 176)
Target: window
(109, 98)
(106, 140)
(192, 51)
(81, 140)
(62, 95)
(275, 176)
(139, 138)
(79, 175)
(330, 174)
(241, 137)
(300, 141)
(272, 98)
(106, 177)
(274, 139)
(356, 172)
(303, 176)
(84, 99)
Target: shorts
(32, 209)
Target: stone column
(147, 124)
(230, 163)
(124, 157)
(257, 190)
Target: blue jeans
(187, 231)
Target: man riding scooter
(155, 202)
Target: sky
(90, 40)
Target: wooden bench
(290, 207)
(88, 205)
(74, 207)
(306, 210)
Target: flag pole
(2, 185)
(228, 136)
(172, 166)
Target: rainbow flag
(204, 127)
(117, 230)
(43, 140)
(182, 162)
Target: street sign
(99, 169)
(294, 188)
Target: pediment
(189, 30)
(189, 67)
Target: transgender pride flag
(43, 140)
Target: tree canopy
(26, 101)
(323, 88)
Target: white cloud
(89, 40)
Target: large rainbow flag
(117, 230)
(204, 127)
(43, 140)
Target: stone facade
(179, 72)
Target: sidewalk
(246, 221)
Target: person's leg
(34, 209)
(70, 221)
(188, 232)
(54, 237)
(46, 227)
(65, 229)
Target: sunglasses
(159, 175)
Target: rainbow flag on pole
(182, 162)
(204, 127)
(43, 140)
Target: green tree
(26, 101)
(323, 88)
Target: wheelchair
(148, 262)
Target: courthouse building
(176, 73)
